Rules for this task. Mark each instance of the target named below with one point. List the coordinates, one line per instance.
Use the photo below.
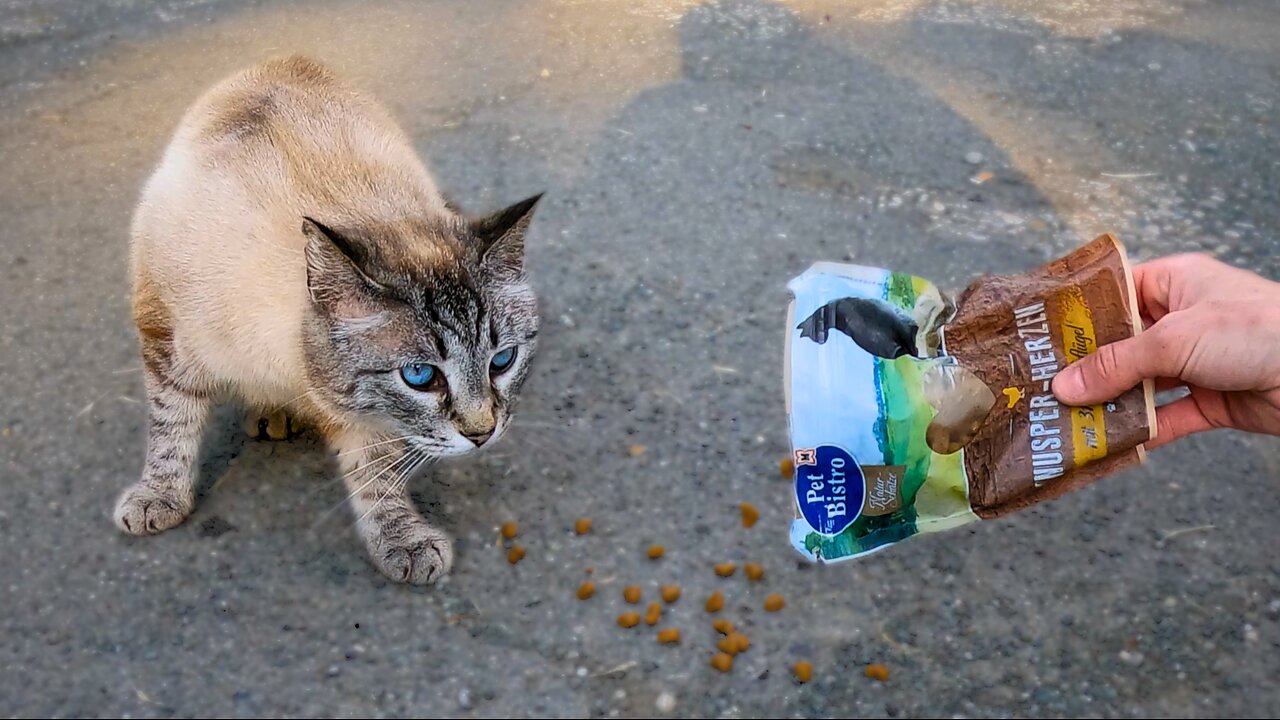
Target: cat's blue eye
(419, 376)
(502, 360)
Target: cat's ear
(501, 236)
(334, 278)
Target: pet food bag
(912, 414)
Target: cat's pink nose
(479, 438)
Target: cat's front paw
(146, 510)
(419, 555)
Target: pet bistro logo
(829, 488)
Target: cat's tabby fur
(292, 252)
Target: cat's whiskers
(396, 462)
(398, 485)
(373, 445)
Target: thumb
(1106, 374)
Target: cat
(874, 326)
(292, 252)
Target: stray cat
(292, 252)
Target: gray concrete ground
(695, 157)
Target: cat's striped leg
(376, 471)
(165, 495)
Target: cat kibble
(877, 671)
(629, 619)
(750, 515)
(728, 646)
(754, 571)
(803, 671)
(715, 603)
(656, 551)
(725, 569)
(740, 641)
(774, 602)
(586, 590)
(670, 593)
(722, 662)
(669, 636)
(631, 594)
(723, 626)
(653, 614)
(788, 468)
(582, 526)
(509, 530)
(515, 554)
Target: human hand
(1211, 328)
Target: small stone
(973, 157)
(464, 699)
(545, 73)
(1250, 633)
(665, 703)
(1130, 657)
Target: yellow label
(1088, 428)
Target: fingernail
(1069, 384)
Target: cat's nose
(479, 438)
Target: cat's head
(423, 329)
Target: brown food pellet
(728, 646)
(740, 641)
(669, 636)
(774, 602)
(723, 626)
(654, 614)
(722, 662)
(670, 593)
(586, 590)
(725, 569)
(715, 603)
(582, 526)
(877, 671)
(803, 671)
(515, 554)
(631, 594)
(629, 619)
(754, 571)
(656, 551)
(788, 468)
(636, 451)
(749, 515)
(509, 530)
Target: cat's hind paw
(146, 510)
(276, 425)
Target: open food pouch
(913, 414)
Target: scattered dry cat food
(636, 451)
(740, 641)
(629, 619)
(656, 551)
(586, 590)
(788, 468)
(749, 515)
(715, 603)
(509, 530)
(723, 626)
(669, 636)
(754, 571)
(728, 646)
(725, 569)
(582, 526)
(803, 671)
(774, 602)
(515, 554)
(722, 662)
(631, 594)
(653, 615)
(877, 671)
(670, 593)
